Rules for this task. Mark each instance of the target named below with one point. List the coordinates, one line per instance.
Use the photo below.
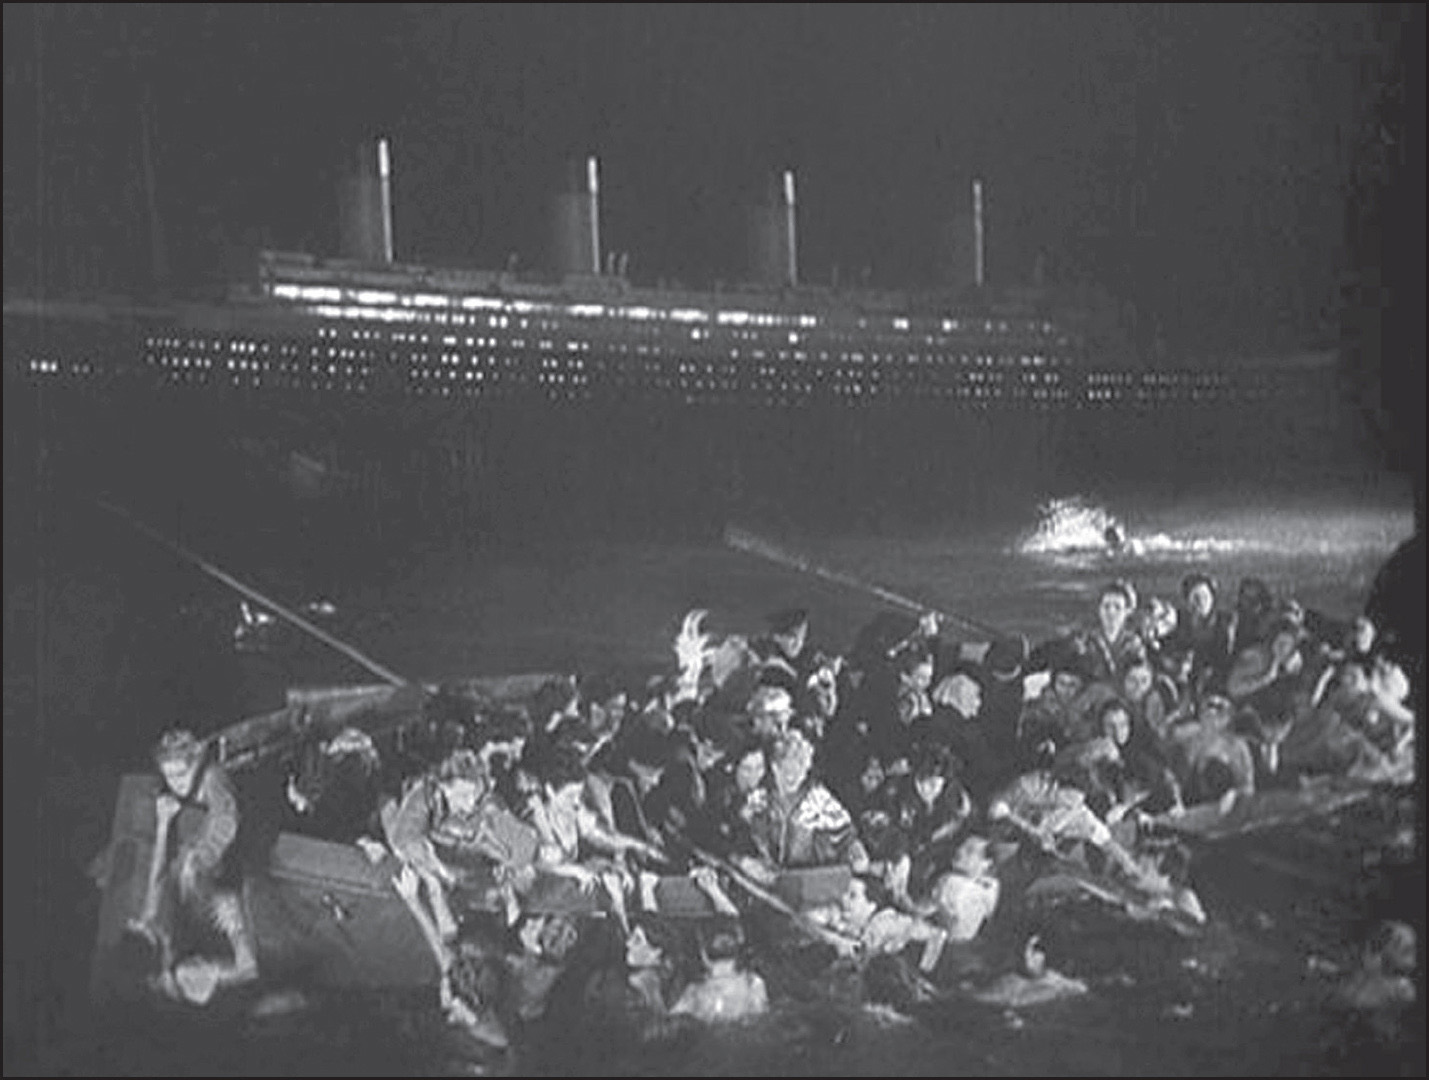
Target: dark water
(133, 641)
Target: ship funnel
(774, 247)
(962, 246)
(577, 222)
(366, 206)
(978, 277)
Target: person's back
(724, 995)
(727, 993)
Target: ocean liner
(421, 388)
(366, 324)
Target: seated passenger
(966, 896)
(1272, 687)
(958, 725)
(1350, 732)
(1214, 764)
(1057, 716)
(626, 1001)
(879, 800)
(893, 711)
(544, 946)
(447, 828)
(801, 823)
(737, 795)
(1054, 814)
(930, 812)
(818, 702)
(1253, 616)
(677, 805)
(875, 929)
(1156, 624)
(575, 843)
(1121, 771)
(727, 993)
(337, 788)
(770, 711)
(500, 744)
(1113, 644)
(633, 771)
(915, 680)
(1154, 699)
(786, 659)
(1202, 635)
(1003, 669)
(201, 878)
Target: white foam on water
(1080, 529)
(1070, 526)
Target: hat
(788, 620)
(1066, 657)
(1006, 657)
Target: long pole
(751, 544)
(383, 673)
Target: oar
(839, 941)
(383, 673)
(750, 544)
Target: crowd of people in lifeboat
(917, 761)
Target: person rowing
(195, 874)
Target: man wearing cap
(1002, 672)
(202, 869)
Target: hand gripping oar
(385, 674)
(839, 941)
(750, 544)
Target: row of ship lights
(1117, 382)
(1111, 380)
(333, 302)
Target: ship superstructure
(366, 325)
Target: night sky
(1239, 125)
